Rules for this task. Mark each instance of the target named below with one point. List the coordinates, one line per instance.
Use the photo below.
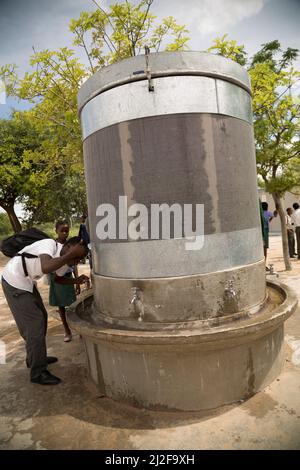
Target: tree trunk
(284, 237)
(15, 223)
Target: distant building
(287, 201)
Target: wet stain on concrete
(260, 405)
(250, 373)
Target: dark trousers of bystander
(31, 318)
(291, 241)
(298, 240)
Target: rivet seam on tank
(148, 71)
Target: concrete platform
(72, 415)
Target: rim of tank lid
(163, 64)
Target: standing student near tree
(290, 232)
(63, 295)
(84, 235)
(267, 217)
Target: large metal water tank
(189, 141)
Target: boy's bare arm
(49, 265)
(71, 280)
(75, 272)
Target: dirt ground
(73, 416)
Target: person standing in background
(83, 233)
(290, 232)
(296, 222)
(85, 236)
(267, 217)
(63, 295)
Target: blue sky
(44, 24)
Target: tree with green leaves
(123, 30)
(63, 197)
(276, 111)
(230, 49)
(17, 136)
(5, 225)
(107, 35)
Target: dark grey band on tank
(185, 159)
(199, 165)
(172, 95)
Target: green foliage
(230, 49)
(34, 171)
(49, 228)
(276, 112)
(63, 197)
(169, 27)
(267, 54)
(17, 136)
(53, 180)
(122, 31)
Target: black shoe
(46, 378)
(50, 360)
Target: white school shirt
(70, 268)
(13, 272)
(288, 222)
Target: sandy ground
(73, 416)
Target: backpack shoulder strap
(23, 256)
(27, 255)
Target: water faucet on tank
(137, 301)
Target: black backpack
(12, 245)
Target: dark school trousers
(291, 240)
(31, 318)
(298, 241)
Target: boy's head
(62, 229)
(83, 218)
(71, 243)
(264, 206)
(289, 211)
(296, 205)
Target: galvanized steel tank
(165, 327)
(189, 141)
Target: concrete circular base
(186, 369)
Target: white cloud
(209, 16)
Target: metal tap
(230, 299)
(229, 290)
(135, 295)
(271, 271)
(137, 302)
